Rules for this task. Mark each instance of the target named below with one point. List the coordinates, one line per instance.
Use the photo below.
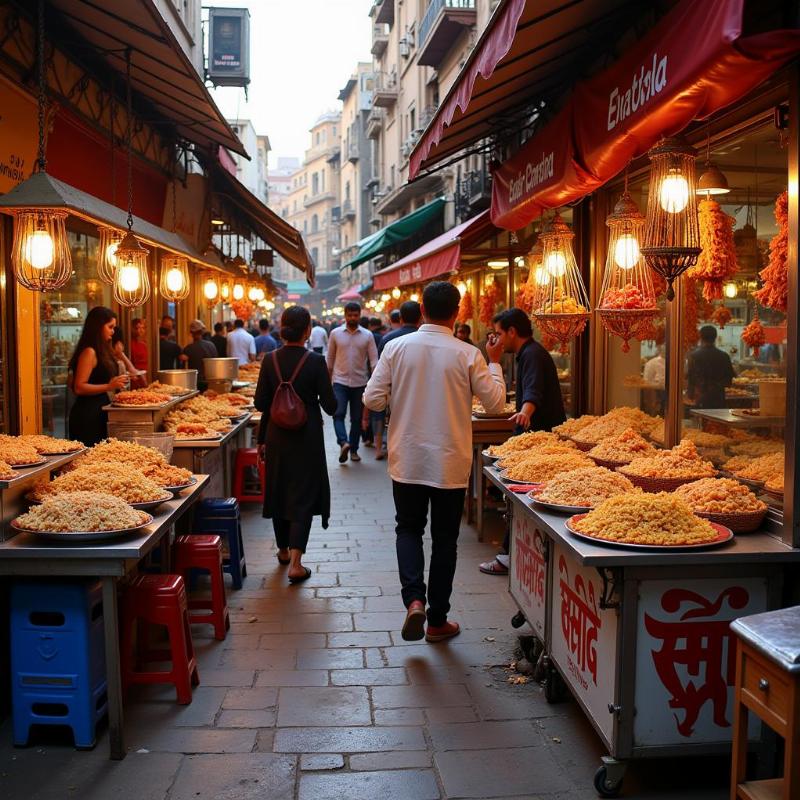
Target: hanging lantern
(672, 234)
(252, 293)
(238, 291)
(225, 290)
(396, 293)
(131, 281)
(40, 252)
(560, 304)
(174, 282)
(627, 298)
(211, 288)
(107, 253)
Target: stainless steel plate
(215, 438)
(176, 490)
(77, 537)
(556, 508)
(150, 505)
(32, 464)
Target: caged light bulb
(39, 250)
(175, 281)
(541, 276)
(210, 289)
(626, 251)
(674, 193)
(556, 264)
(129, 280)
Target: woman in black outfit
(94, 374)
(297, 487)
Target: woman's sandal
(301, 578)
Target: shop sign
(528, 573)
(686, 658)
(18, 135)
(229, 46)
(584, 637)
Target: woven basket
(612, 465)
(659, 484)
(584, 446)
(774, 494)
(739, 523)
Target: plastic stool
(220, 515)
(158, 600)
(58, 664)
(247, 457)
(204, 552)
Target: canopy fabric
(297, 287)
(439, 256)
(160, 70)
(693, 63)
(351, 294)
(396, 232)
(528, 50)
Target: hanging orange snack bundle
(753, 335)
(717, 261)
(773, 294)
(466, 308)
(488, 302)
(526, 293)
(721, 316)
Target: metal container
(221, 369)
(185, 378)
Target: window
(317, 137)
(347, 190)
(314, 224)
(412, 117)
(315, 184)
(315, 255)
(305, 226)
(322, 188)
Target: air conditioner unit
(404, 48)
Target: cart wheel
(603, 786)
(554, 688)
(518, 620)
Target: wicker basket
(746, 522)
(612, 465)
(660, 484)
(584, 446)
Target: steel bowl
(185, 378)
(221, 369)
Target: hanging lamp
(560, 305)
(211, 288)
(238, 291)
(107, 253)
(174, 283)
(40, 254)
(672, 232)
(225, 289)
(712, 180)
(627, 298)
(131, 281)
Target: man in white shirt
(351, 352)
(241, 345)
(318, 340)
(430, 377)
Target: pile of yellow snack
(615, 422)
(622, 448)
(683, 461)
(572, 426)
(541, 468)
(119, 480)
(762, 468)
(525, 442)
(587, 486)
(720, 496)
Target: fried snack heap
(118, 480)
(524, 442)
(587, 486)
(541, 468)
(572, 426)
(623, 447)
(48, 445)
(82, 511)
(762, 468)
(720, 496)
(683, 461)
(140, 397)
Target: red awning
(351, 294)
(693, 63)
(439, 256)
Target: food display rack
(644, 631)
(147, 419)
(485, 431)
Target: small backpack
(288, 410)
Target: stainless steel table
(25, 555)
(725, 417)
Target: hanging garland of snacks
(773, 294)
(754, 336)
(717, 261)
(242, 308)
(721, 316)
(652, 331)
(490, 296)
(526, 293)
(466, 309)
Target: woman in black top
(94, 375)
(297, 487)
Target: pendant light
(627, 298)
(211, 288)
(238, 291)
(672, 233)
(40, 254)
(174, 283)
(712, 181)
(252, 293)
(107, 254)
(225, 290)
(131, 281)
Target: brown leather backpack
(288, 409)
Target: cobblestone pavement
(314, 695)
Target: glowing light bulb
(462, 288)
(269, 305)
(415, 297)
(674, 194)
(111, 254)
(225, 291)
(384, 298)
(626, 251)
(129, 280)
(556, 263)
(396, 293)
(175, 281)
(730, 290)
(39, 250)
(238, 291)
(541, 276)
(210, 289)
(252, 294)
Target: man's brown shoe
(438, 633)
(414, 626)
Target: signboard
(584, 636)
(18, 135)
(528, 573)
(686, 658)
(229, 46)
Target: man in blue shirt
(264, 342)
(410, 316)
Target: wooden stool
(768, 685)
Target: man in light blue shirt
(264, 342)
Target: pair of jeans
(291, 535)
(348, 395)
(411, 501)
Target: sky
(301, 54)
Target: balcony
(384, 92)
(474, 193)
(375, 122)
(319, 197)
(352, 152)
(443, 23)
(380, 40)
(384, 11)
(348, 209)
(427, 115)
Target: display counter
(485, 432)
(142, 419)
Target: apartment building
(356, 168)
(253, 172)
(312, 205)
(184, 19)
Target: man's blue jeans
(348, 395)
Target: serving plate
(207, 438)
(31, 464)
(556, 507)
(489, 458)
(176, 490)
(150, 505)
(143, 406)
(723, 535)
(77, 537)
(63, 452)
(487, 415)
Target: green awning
(297, 287)
(395, 232)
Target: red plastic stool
(204, 551)
(158, 600)
(247, 457)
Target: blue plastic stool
(58, 665)
(220, 515)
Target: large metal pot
(185, 378)
(220, 369)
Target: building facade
(253, 172)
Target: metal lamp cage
(672, 233)
(211, 288)
(40, 250)
(627, 297)
(225, 289)
(131, 281)
(107, 253)
(174, 280)
(560, 304)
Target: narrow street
(314, 696)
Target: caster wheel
(518, 620)
(553, 686)
(603, 786)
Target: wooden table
(26, 555)
(485, 432)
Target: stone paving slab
(405, 785)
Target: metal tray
(557, 508)
(208, 438)
(487, 415)
(506, 479)
(724, 535)
(145, 406)
(176, 490)
(79, 537)
(64, 452)
(31, 464)
(489, 457)
(150, 505)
